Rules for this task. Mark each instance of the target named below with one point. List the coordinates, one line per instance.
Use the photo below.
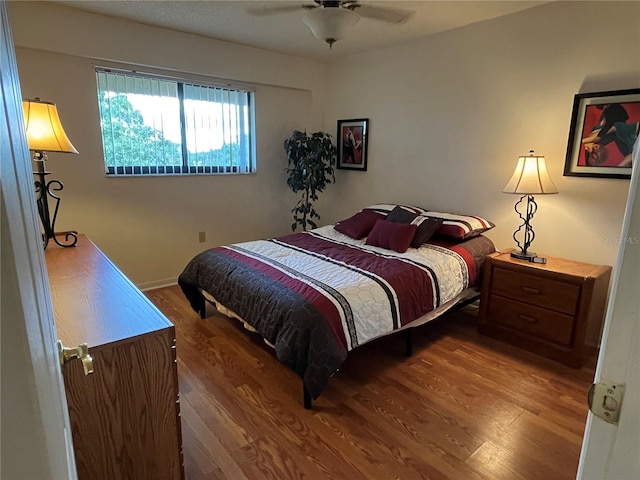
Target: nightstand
(554, 309)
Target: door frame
(31, 375)
(611, 451)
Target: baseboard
(166, 282)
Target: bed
(317, 295)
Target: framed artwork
(353, 136)
(604, 127)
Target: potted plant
(311, 159)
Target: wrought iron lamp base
(44, 190)
(528, 234)
(524, 255)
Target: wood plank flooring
(464, 406)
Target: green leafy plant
(311, 159)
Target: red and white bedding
(314, 296)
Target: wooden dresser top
(555, 265)
(93, 302)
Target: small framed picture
(604, 127)
(353, 136)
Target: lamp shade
(530, 177)
(44, 130)
(330, 24)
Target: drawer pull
(531, 290)
(527, 318)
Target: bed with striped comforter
(314, 296)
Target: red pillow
(391, 235)
(426, 226)
(359, 225)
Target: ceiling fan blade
(264, 11)
(384, 14)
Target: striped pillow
(386, 208)
(460, 227)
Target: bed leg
(408, 342)
(306, 397)
(203, 307)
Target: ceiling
(230, 20)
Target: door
(36, 438)
(611, 452)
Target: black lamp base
(529, 256)
(528, 234)
(44, 190)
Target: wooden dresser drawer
(552, 294)
(532, 320)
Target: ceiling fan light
(330, 24)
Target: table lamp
(45, 134)
(530, 177)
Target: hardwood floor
(464, 406)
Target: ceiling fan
(329, 20)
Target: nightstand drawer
(536, 290)
(535, 321)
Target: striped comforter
(316, 295)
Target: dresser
(554, 309)
(125, 416)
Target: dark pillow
(391, 235)
(460, 227)
(401, 215)
(359, 225)
(426, 226)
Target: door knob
(80, 352)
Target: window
(153, 125)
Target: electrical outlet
(202, 237)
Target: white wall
(450, 114)
(149, 226)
